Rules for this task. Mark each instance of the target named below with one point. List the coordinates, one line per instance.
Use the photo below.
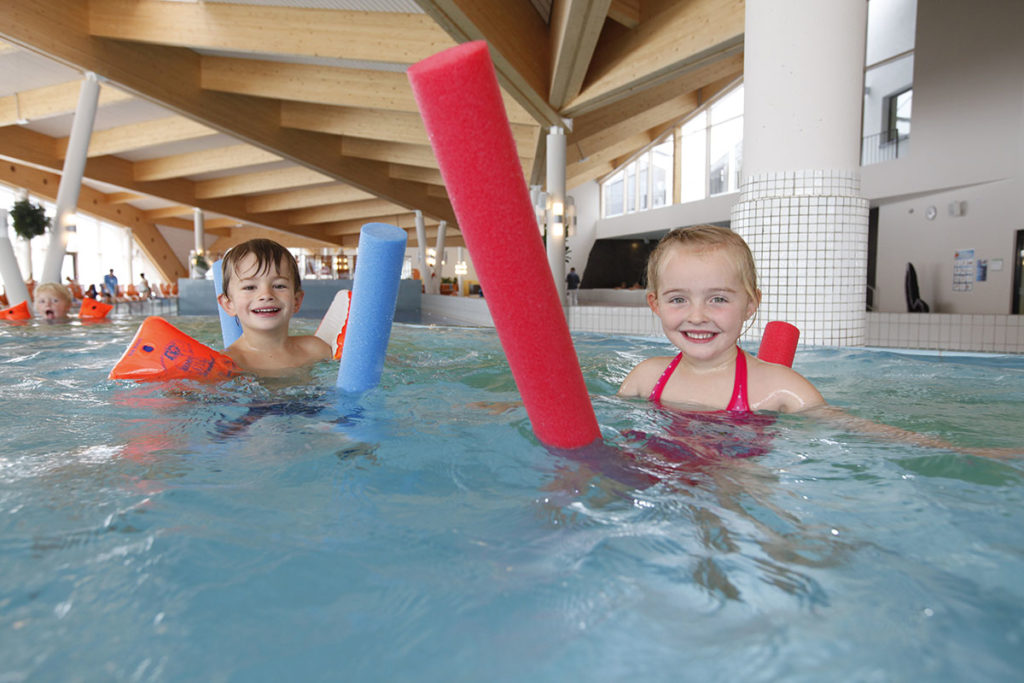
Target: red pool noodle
(458, 97)
(778, 343)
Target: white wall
(967, 132)
(967, 144)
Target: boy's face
(50, 306)
(262, 301)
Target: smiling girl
(702, 285)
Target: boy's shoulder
(311, 347)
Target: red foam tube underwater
(778, 343)
(458, 97)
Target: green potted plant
(29, 220)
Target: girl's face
(49, 306)
(701, 301)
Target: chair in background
(914, 303)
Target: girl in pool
(52, 301)
(702, 285)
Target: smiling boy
(263, 289)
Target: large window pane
(613, 204)
(661, 165)
(693, 161)
(631, 188)
(642, 179)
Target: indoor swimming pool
(251, 532)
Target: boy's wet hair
(268, 253)
(62, 292)
(706, 238)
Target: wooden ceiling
(295, 117)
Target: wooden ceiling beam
(518, 40)
(359, 210)
(575, 27)
(139, 135)
(625, 12)
(171, 78)
(305, 197)
(52, 100)
(204, 161)
(260, 181)
(403, 38)
(700, 82)
(682, 36)
(379, 124)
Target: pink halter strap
(738, 403)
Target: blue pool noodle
(374, 295)
(230, 328)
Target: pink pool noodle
(458, 97)
(778, 343)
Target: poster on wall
(963, 270)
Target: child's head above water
(259, 256)
(700, 239)
(51, 301)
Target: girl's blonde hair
(702, 238)
(55, 288)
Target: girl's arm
(844, 420)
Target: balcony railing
(885, 146)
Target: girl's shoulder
(780, 388)
(642, 378)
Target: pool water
(245, 532)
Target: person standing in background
(110, 281)
(572, 282)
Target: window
(642, 184)
(888, 80)
(897, 109)
(693, 170)
(710, 161)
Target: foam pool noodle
(459, 100)
(778, 343)
(230, 328)
(374, 295)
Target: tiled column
(808, 231)
(800, 208)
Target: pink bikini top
(737, 404)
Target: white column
(199, 235)
(800, 207)
(421, 244)
(439, 256)
(71, 177)
(14, 283)
(556, 219)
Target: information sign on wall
(963, 270)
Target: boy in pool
(702, 284)
(52, 301)
(263, 289)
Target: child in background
(52, 301)
(702, 284)
(263, 289)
